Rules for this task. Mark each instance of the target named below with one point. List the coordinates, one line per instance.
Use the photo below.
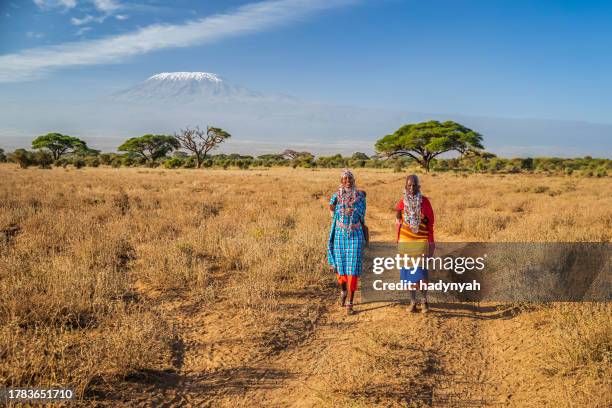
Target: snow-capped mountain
(265, 123)
(190, 87)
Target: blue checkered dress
(345, 246)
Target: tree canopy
(58, 144)
(426, 140)
(151, 147)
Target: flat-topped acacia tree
(58, 144)
(426, 140)
(151, 147)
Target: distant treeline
(485, 163)
(419, 146)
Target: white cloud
(85, 20)
(83, 30)
(50, 4)
(34, 34)
(35, 62)
(107, 6)
(121, 16)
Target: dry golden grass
(106, 274)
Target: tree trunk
(426, 162)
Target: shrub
(189, 162)
(172, 163)
(127, 161)
(2, 156)
(23, 158)
(61, 162)
(92, 161)
(540, 189)
(43, 159)
(78, 163)
(105, 159)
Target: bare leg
(349, 306)
(342, 294)
(412, 307)
(425, 304)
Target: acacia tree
(426, 140)
(292, 154)
(58, 144)
(151, 147)
(200, 142)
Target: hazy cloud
(50, 4)
(34, 34)
(83, 30)
(35, 62)
(107, 6)
(86, 20)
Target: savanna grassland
(145, 287)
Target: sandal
(349, 310)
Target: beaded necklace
(412, 210)
(347, 197)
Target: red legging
(349, 280)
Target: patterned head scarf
(412, 205)
(347, 196)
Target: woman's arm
(399, 212)
(332, 204)
(398, 217)
(429, 213)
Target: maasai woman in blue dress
(346, 238)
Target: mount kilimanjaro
(266, 123)
(188, 87)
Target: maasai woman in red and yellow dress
(415, 235)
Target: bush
(61, 162)
(105, 159)
(23, 158)
(172, 163)
(127, 161)
(92, 161)
(189, 162)
(43, 159)
(78, 163)
(2, 156)
(116, 163)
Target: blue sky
(502, 58)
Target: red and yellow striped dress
(415, 244)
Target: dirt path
(381, 356)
